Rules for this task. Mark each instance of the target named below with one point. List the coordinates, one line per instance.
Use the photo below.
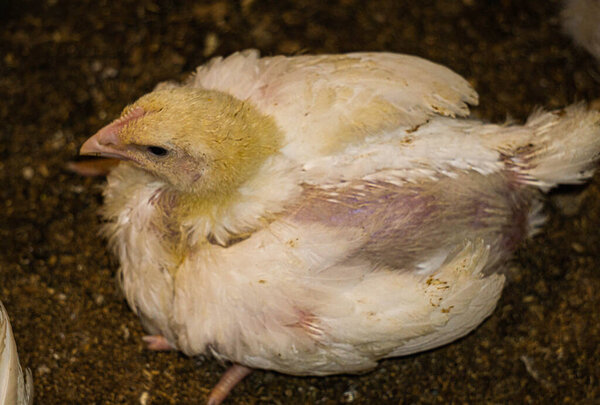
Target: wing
(390, 314)
(326, 102)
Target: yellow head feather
(212, 141)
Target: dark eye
(157, 151)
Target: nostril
(108, 138)
(109, 135)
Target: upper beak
(106, 142)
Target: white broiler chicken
(314, 214)
(14, 389)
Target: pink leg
(232, 376)
(93, 167)
(157, 342)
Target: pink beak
(106, 142)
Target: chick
(314, 214)
(14, 389)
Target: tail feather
(564, 149)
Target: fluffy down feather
(314, 214)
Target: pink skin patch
(405, 225)
(307, 321)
